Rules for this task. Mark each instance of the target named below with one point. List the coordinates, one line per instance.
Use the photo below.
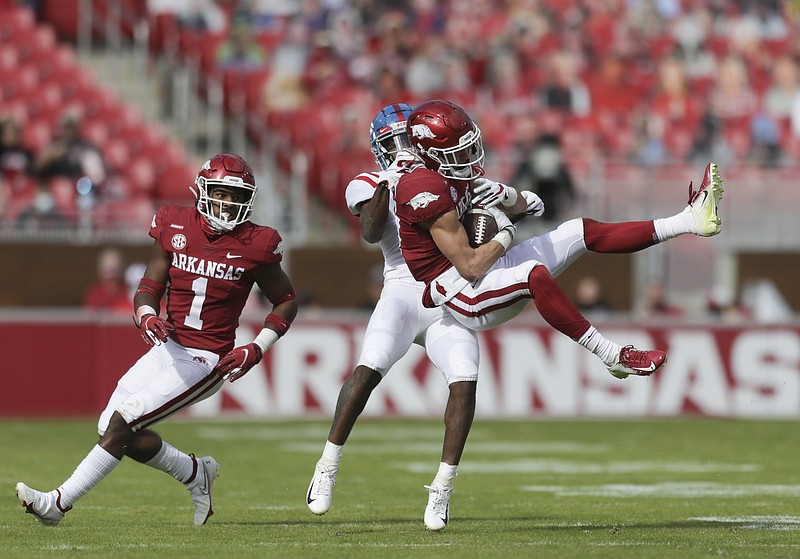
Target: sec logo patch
(179, 241)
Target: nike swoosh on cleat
(309, 500)
(648, 369)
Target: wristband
(512, 197)
(143, 311)
(504, 237)
(266, 338)
(280, 323)
(152, 287)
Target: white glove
(389, 178)
(489, 193)
(535, 204)
(403, 162)
(507, 230)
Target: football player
(486, 286)
(207, 258)
(398, 320)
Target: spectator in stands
(240, 50)
(655, 302)
(16, 165)
(589, 298)
(71, 156)
(109, 292)
(545, 172)
(674, 117)
(563, 89)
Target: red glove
(238, 361)
(154, 329)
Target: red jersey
(423, 195)
(210, 278)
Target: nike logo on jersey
(229, 255)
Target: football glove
(237, 362)
(154, 329)
(489, 193)
(535, 204)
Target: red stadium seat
(14, 21)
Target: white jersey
(360, 190)
(400, 319)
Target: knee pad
(376, 359)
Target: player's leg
(392, 328)
(560, 247)
(558, 311)
(454, 351)
(49, 507)
(185, 379)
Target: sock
(175, 462)
(445, 474)
(91, 471)
(331, 454)
(605, 349)
(554, 306)
(618, 238)
(671, 227)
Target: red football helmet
(230, 171)
(447, 140)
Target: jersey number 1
(193, 320)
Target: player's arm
(471, 263)
(373, 214)
(147, 300)
(276, 286)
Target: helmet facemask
(387, 142)
(461, 162)
(222, 214)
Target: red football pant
(554, 306)
(629, 236)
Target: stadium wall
(57, 368)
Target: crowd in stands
(642, 82)
(71, 152)
(638, 81)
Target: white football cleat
(437, 513)
(201, 486)
(46, 507)
(320, 490)
(704, 203)
(639, 362)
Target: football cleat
(704, 203)
(437, 513)
(639, 362)
(320, 490)
(46, 507)
(201, 486)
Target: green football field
(539, 488)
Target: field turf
(679, 488)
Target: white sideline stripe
(547, 466)
(489, 447)
(779, 522)
(317, 433)
(690, 490)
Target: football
(481, 226)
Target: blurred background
(607, 108)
